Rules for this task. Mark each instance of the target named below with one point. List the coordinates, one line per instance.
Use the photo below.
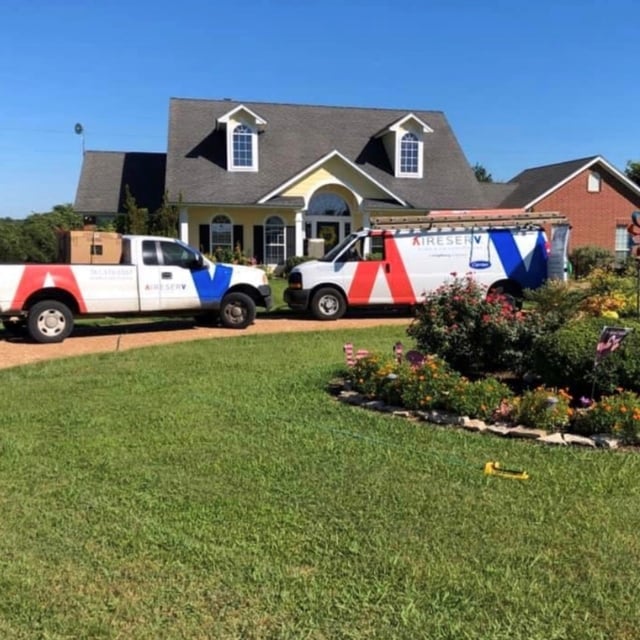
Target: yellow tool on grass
(493, 468)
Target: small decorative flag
(610, 339)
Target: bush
(432, 385)
(565, 357)
(293, 261)
(557, 302)
(617, 415)
(544, 408)
(473, 331)
(585, 259)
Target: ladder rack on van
(466, 220)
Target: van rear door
(557, 264)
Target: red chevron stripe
(33, 279)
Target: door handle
(387, 267)
(166, 275)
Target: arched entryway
(329, 217)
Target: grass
(214, 490)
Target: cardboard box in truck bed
(89, 247)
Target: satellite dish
(78, 128)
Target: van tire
(49, 321)
(237, 310)
(328, 304)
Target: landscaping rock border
(343, 392)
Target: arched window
(409, 153)
(221, 233)
(274, 241)
(242, 146)
(327, 204)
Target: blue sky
(522, 83)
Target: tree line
(35, 238)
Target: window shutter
(205, 238)
(238, 237)
(291, 242)
(258, 243)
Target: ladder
(470, 220)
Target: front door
(331, 230)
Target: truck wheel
(49, 321)
(237, 311)
(328, 304)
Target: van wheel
(328, 304)
(237, 311)
(49, 321)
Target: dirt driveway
(14, 352)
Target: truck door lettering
(211, 289)
(396, 275)
(35, 277)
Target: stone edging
(341, 390)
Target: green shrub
(617, 415)
(556, 301)
(544, 408)
(475, 332)
(482, 399)
(293, 261)
(585, 259)
(565, 358)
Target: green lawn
(214, 490)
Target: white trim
(229, 115)
(597, 160)
(399, 124)
(183, 224)
(320, 162)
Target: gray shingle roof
(532, 183)
(104, 175)
(295, 137)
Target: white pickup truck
(155, 276)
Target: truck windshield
(331, 255)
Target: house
(596, 198)
(268, 177)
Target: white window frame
(622, 245)
(594, 182)
(218, 226)
(409, 138)
(249, 131)
(275, 240)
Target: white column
(183, 225)
(299, 226)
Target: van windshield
(331, 255)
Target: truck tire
(237, 311)
(328, 304)
(49, 321)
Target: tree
(137, 220)
(11, 241)
(164, 221)
(633, 171)
(481, 173)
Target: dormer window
(242, 147)
(242, 127)
(404, 142)
(409, 154)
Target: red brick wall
(593, 216)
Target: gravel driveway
(14, 352)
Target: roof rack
(466, 220)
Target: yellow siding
(246, 216)
(331, 172)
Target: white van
(399, 260)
